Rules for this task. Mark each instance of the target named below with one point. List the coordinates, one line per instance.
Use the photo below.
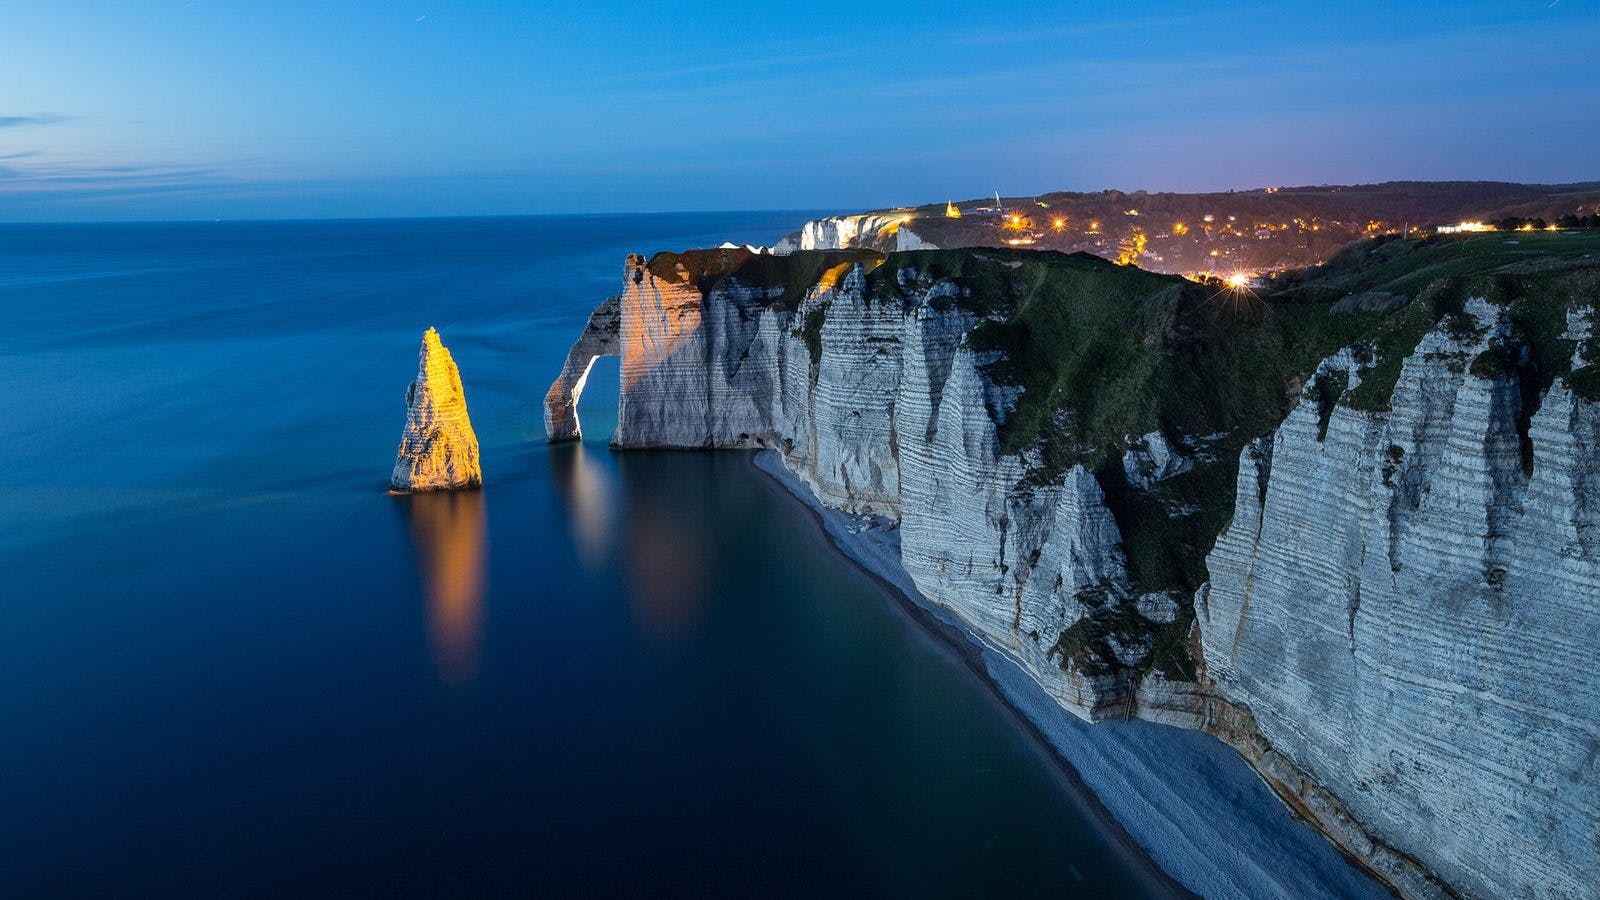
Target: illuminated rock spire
(438, 450)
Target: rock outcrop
(599, 339)
(1153, 459)
(438, 450)
(1394, 625)
(1409, 602)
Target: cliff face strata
(438, 449)
(1411, 615)
(1387, 603)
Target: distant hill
(1251, 231)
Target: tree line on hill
(1566, 222)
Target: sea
(231, 664)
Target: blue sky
(211, 109)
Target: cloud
(66, 181)
(23, 121)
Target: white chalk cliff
(438, 450)
(1402, 617)
(1412, 614)
(877, 231)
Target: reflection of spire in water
(449, 533)
(586, 491)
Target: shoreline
(959, 644)
(1215, 830)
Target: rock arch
(599, 338)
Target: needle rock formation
(438, 451)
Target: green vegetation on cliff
(1535, 276)
(784, 281)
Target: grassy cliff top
(1104, 351)
(1536, 276)
(784, 279)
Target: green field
(1408, 266)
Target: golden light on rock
(438, 449)
(830, 279)
(659, 318)
(950, 211)
(1132, 247)
(1058, 224)
(892, 227)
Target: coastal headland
(1316, 517)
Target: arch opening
(602, 386)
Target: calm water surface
(229, 662)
